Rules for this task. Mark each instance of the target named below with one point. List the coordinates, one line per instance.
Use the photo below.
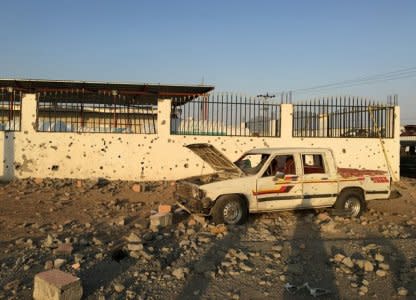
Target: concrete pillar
(286, 121)
(163, 117)
(8, 138)
(28, 117)
(323, 125)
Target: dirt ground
(117, 256)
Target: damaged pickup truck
(275, 179)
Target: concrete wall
(160, 156)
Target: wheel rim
(232, 212)
(353, 205)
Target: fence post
(286, 124)
(163, 117)
(396, 137)
(28, 113)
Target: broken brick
(165, 208)
(136, 188)
(38, 180)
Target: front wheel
(230, 210)
(351, 201)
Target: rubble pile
(124, 244)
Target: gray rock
(49, 241)
(179, 273)
(135, 247)
(118, 287)
(378, 257)
(241, 255)
(48, 265)
(401, 291)
(133, 238)
(59, 262)
(338, 257)
(277, 248)
(96, 241)
(329, 227)
(245, 268)
(348, 262)
(368, 266)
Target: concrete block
(161, 220)
(165, 208)
(56, 285)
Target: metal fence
(99, 114)
(343, 117)
(226, 115)
(10, 110)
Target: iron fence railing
(10, 110)
(116, 116)
(343, 117)
(226, 114)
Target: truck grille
(184, 190)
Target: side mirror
(278, 175)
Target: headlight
(198, 193)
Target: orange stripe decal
(282, 189)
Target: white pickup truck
(276, 179)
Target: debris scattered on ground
(102, 233)
(314, 292)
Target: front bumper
(195, 205)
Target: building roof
(288, 150)
(103, 92)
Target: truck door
(280, 193)
(320, 185)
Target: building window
(105, 114)
(10, 110)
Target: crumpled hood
(214, 158)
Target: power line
(393, 75)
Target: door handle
(324, 178)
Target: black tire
(351, 200)
(231, 210)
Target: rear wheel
(351, 201)
(230, 210)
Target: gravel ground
(99, 231)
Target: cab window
(252, 163)
(313, 164)
(282, 163)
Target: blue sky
(245, 46)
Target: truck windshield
(252, 163)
